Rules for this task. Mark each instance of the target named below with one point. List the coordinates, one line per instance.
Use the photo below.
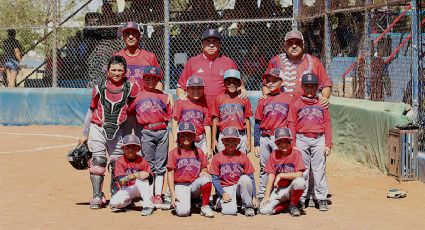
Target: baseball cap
(282, 133)
(130, 26)
(186, 127)
(232, 73)
(195, 81)
(211, 33)
(230, 132)
(273, 72)
(131, 139)
(152, 71)
(294, 34)
(309, 78)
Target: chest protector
(112, 110)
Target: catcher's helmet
(79, 157)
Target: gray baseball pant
(241, 146)
(99, 146)
(155, 149)
(243, 191)
(267, 145)
(313, 152)
(282, 194)
(186, 191)
(126, 194)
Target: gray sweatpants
(155, 149)
(186, 191)
(282, 194)
(240, 191)
(126, 194)
(313, 152)
(241, 146)
(99, 146)
(267, 145)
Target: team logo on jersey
(193, 116)
(152, 105)
(284, 168)
(275, 108)
(231, 170)
(232, 112)
(200, 70)
(188, 164)
(311, 112)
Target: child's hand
(327, 151)
(174, 199)
(82, 140)
(209, 154)
(277, 179)
(248, 147)
(257, 151)
(214, 146)
(226, 198)
(324, 101)
(255, 202)
(183, 96)
(242, 93)
(265, 201)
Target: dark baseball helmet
(79, 157)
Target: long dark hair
(118, 60)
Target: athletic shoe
(323, 205)
(249, 212)
(97, 202)
(157, 201)
(207, 211)
(293, 210)
(301, 205)
(146, 211)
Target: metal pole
(415, 55)
(55, 44)
(367, 31)
(167, 44)
(296, 11)
(328, 48)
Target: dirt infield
(40, 190)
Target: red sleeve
(132, 107)
(204, 160)
(248, 168)
(273, 63)
(146, 167)
(176, 112)
(259, 110)
(169, 110)
(214, 167)
(214, 109)
(292, 119)
(298, 161)
(119, 169)
(324, 79)
(171, 164)
(134, 90)
(269, 168)
(207, 118)
(234, 66)
(155, 61)
(186, 73)
(94, 98)
(248, 108)
(328, 129)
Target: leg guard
(97, 171)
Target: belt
(155, 126)
(312, 135)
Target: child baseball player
(230, 110)
(103, 125)
(233, 176)
(311, 124)
(271, 113)
(153, 111)
(285, 182)
(133, 174)
(187, 173)
(194, 110)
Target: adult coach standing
(294, 63)
(210, 65)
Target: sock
(205, 193)
(296, 195)
(280, 207)
(159, 181)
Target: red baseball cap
(130, 26)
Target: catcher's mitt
(79, 157)
(395, 193)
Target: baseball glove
(395, 193)
(79, 157)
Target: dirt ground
(40, 190)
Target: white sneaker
(207, 211)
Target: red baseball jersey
(136, 64)
(151, 107)
(292, 73)
(187, 166)
(97, 107)
(124, 167)
(308, 116)
(211, 71)
(273, 112)
(230, 168)
(231, 111)
(195, 112)
(279, 163)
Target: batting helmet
(79, 157)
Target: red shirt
(186, 166)
(293, 72)
(124, 167)
(194, 112)
(279, 163)
(273, 111)
(308, 116)
(136, 64)
(231, 111)
(151, 107)
(230, 168)
(97, 107)
(211, 71)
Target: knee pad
(98, 165)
